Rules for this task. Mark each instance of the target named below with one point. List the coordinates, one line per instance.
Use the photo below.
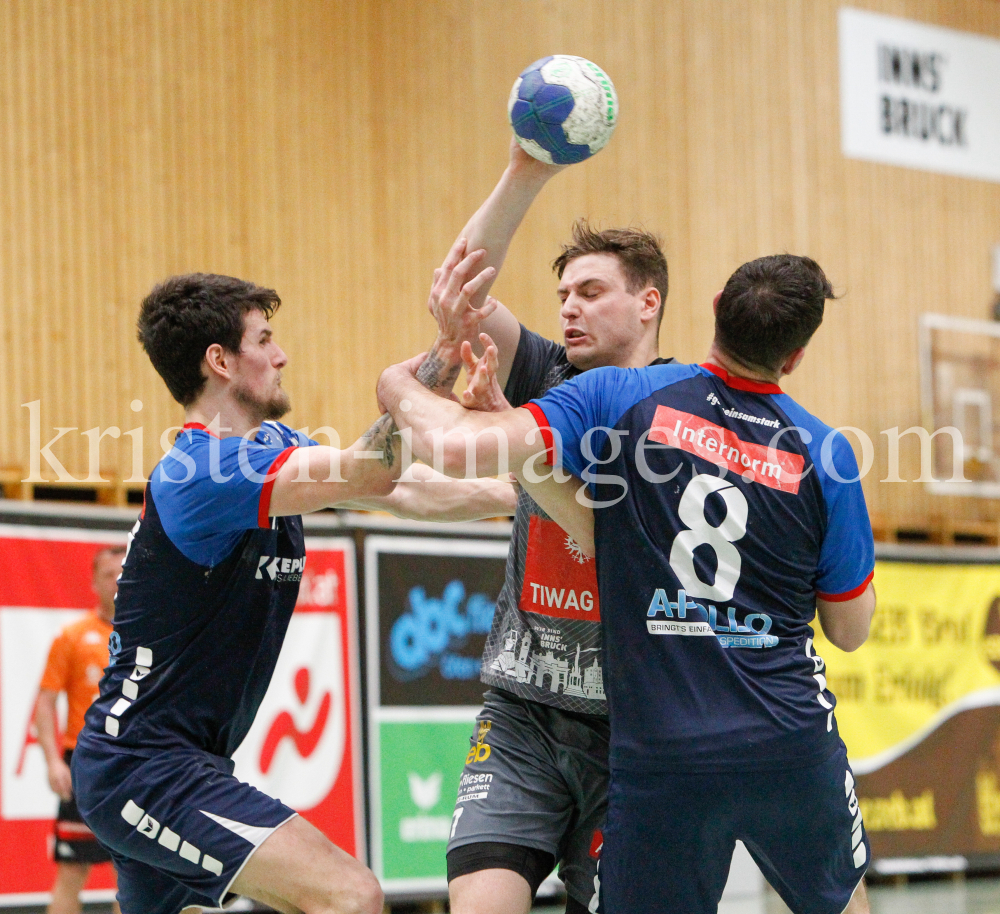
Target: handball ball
(563, 109)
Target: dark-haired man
(728, 517)
(541, 739)
(206, 593)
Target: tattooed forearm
(379, 438)
(437, 373)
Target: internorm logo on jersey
(280, 570)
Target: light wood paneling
(333, 149)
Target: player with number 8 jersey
(725, 516)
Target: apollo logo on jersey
(559, 579)
(280, 570)
(768, 466)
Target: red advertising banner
(304, 746)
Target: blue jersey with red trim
(724, 508)
(205, 596)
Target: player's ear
(650, 304)
(715, 301)
(218, 361)
(793, 360)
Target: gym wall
(332, 150)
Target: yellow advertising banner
(919, 709)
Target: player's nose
(280, 360)
(570, 307)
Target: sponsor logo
(280, 570)
(768, 466)
(474, 787)
(425, 793)
(686, 617)
(434, 628)
(559, 579)
(480, 750)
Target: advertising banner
(919, 95)
(46, 585)
(429, 606)
(304, 746)
(919, 709)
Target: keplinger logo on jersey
(280, 570)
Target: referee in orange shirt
(76, 663)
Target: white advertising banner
(918, 95)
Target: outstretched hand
(456, 284)
(483, 392)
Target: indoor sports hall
(333, 151)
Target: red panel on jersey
(770, 467)
(559, 580)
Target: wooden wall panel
(332, 150)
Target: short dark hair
(184, 315)
(769, 308)
(639, 253)
(107, 550)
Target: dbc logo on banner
(424, 636)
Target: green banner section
(421, 764)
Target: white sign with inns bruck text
(920, 96)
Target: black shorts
(74, 841)
(670, 837)
(180, 825)
(535, 777)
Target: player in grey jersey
(534, 787)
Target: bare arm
(556, 492)
(314, 478)
(846, 622)
(428, 495)
(48, 738)
(492, 228)
(453, 440)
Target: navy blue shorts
(179, 826)
(670, 837)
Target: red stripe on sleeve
(264, 511)
(546, 430)
(850, 595)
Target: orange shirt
(75, 666)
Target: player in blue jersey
(542, 662)
(726, 518)
(205, 596)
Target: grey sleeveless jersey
(545, 643)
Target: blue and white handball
(563, 109)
